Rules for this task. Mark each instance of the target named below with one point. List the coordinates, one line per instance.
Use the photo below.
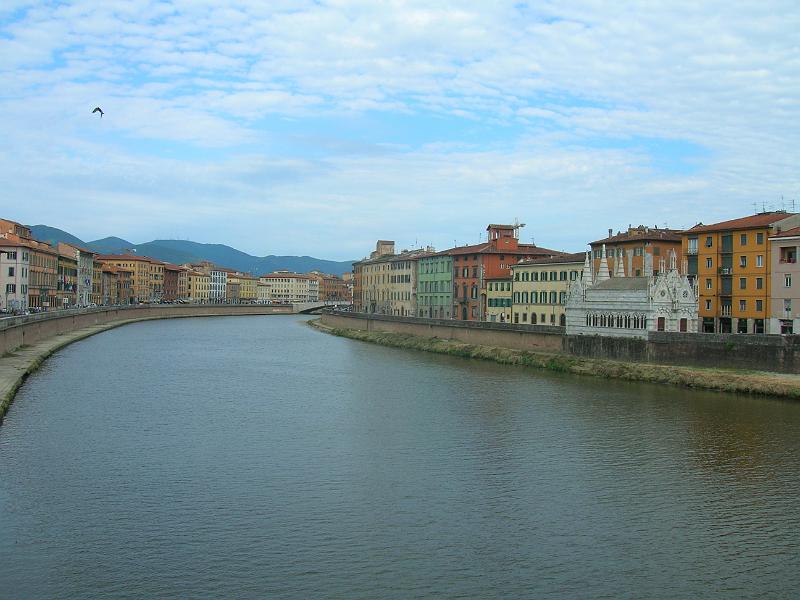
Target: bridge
(308, 308)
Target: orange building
(637, 251)
(730, 262)
(474, 265)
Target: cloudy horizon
(315, 128)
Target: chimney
(610, 232)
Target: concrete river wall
(756, 352)
(28, 330)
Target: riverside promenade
(26, 341)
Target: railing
(691, 251)
(726, 311)
(788, 260)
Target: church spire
(602, 272)
(587, 270)
(619, 270)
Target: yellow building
(730, 262)
(498, 300)
(540, 287)
(248, 288)
(148, 275)
(197, 287)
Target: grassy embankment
(724, 380)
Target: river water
(254, 457)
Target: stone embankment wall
(506, 335)
(737, 351)
(756, 352)
(28, 330)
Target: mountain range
(184, 251)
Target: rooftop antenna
(755, 207)
(763, 206)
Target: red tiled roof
(577, 257)
(752, 222)
(794, 232)
(489, 248)
(635, 234)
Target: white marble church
(611, 303)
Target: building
(248, 288)
(388, 281)
(474, 265)
(198, 287)
(139, 268)
(435, 286)
(43, 276)
(637, 248)
(290, 288)
(731, 263)
(540, 288)
(631, 306)
(233, 288)
(218, 280)
(367, 274)
(14, 273)
(784, 311)
(171, 275)
(263, 293)
(332, 289)
(498, 300)
(67, 283)
(84, 273)
(41, 270)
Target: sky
(318, 127)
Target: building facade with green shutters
(435, 286)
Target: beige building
(263, 292)
(498, 300)
(289, 288)
(540, 287)
(386, 283)
(784, 303)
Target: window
(743, 239)
(657, 251)
(788, 255)
(691, 246)
(709, 241)
(759, 305)
(10, 271)
(787, 305)
(742, 261)
(11, 288)
(708, 304)
(709, 284)
(759, 238)
(787, 281)
(638, 251)
(759, 283)
(709, 263)
(760, 260)
(742, 283)
(742, 305)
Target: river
(254, 457)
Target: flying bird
(98, 109)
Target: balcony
(726, 311)
(790, 260)
(691, 251)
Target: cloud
(358, 117)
